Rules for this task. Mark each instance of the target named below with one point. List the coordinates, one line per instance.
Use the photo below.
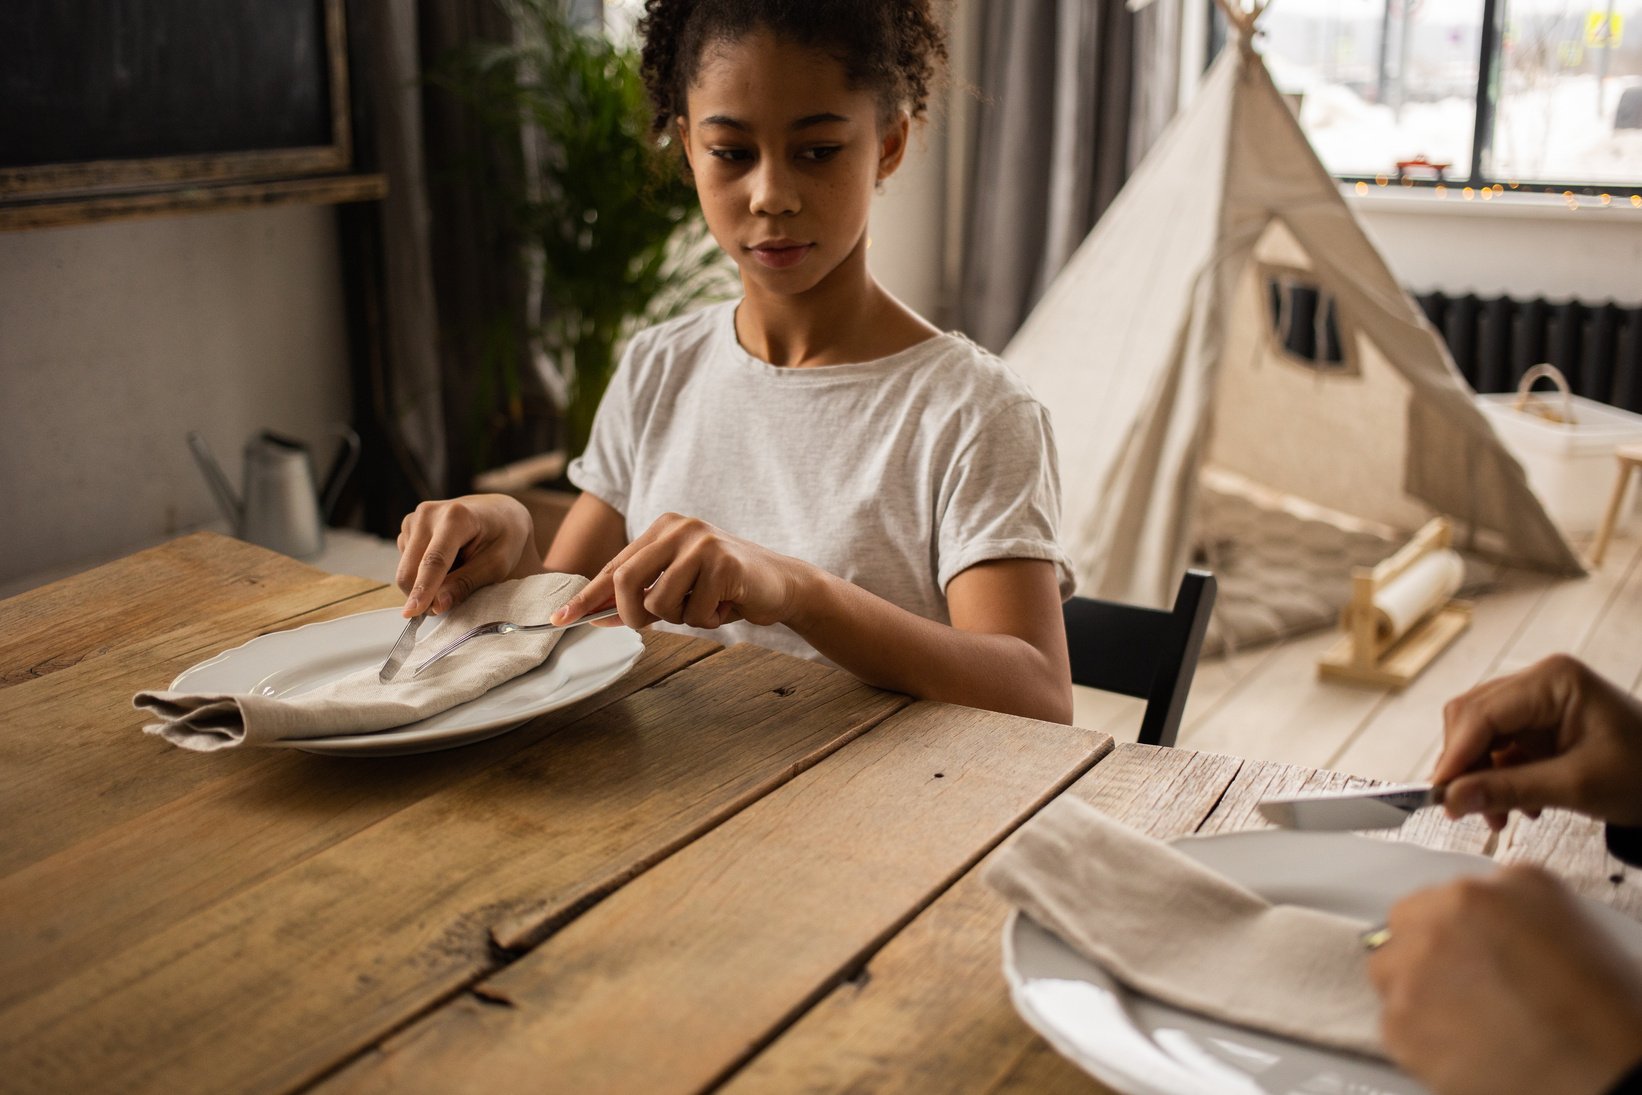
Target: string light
(1570, 200)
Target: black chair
(1145, 652)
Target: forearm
(887, 646)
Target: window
(1302, 322)
(1532, 94)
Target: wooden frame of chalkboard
(162, 171)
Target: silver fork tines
(505, 627)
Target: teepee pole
(1237, 17)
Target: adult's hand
(1504, 984)
(448, 549)
(1555, 734)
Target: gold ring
(1375, 938)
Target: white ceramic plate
(287, 663)
(1135, 1044)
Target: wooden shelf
(90, 209)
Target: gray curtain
(409, 401)
(1158, 31)
(1066, 111)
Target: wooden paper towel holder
(1362, 656)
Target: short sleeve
(1002, 497)
(605, 468)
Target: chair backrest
(1145, 652)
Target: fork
(506, 627)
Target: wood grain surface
(271, 987)
(715, 950)
(733, 869)
(931, 1011)
(93, 899)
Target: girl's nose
(773, 192)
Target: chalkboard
(120, 94)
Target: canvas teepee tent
(1157, 354)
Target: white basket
(1569, 461)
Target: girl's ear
(892, 147)
(683, 125)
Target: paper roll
(1411, 596)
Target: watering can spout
(227, 499)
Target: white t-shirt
(894, 474)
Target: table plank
(103, 895)
(931, 1011)
(271, 987)
(1574, 848)
(76, 729)
(188, 585)
(717, 948)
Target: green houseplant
(606, 224)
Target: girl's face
(785, 156)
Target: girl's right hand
(448, 549)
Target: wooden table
(733, 870)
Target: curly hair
(894, 48)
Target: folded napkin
(1163, 924)
(359, 703)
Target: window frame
(1486, 97)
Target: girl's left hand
(685, 571)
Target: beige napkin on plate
(1165, 925)
(359, 703)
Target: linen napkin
(359, 703)
(1165, 925)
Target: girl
(814, 467)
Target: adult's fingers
(1474, 724)
(1495, 792)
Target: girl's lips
(779, 258)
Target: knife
(401, 649)
(1362, 808)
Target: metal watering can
(280, 507)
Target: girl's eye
(733, 155)
(821, 153)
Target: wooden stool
(1630, 459)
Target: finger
(1498, 791)
(669, 595)
(634, 579)
(413, 542)
(438, 558)
(1473, 724)
(462, 580)
(600, 591)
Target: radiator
(1495, 340)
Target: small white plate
(287, 663)
(1136, 1044)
